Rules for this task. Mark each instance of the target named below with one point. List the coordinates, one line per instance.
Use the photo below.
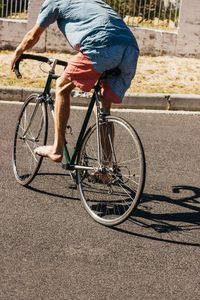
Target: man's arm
(30, 39)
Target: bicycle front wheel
(30, 132)
(113, 179)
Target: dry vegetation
(154, 74)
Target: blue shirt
(86, 24)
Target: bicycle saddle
(111, 73)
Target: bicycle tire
(111, 203)
(31, 132)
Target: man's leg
(106, 141)
(62, 111)
(107, 136)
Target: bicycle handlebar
(38, 58)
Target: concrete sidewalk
(187, 102)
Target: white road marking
(125, 110)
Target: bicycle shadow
(170, 227)
(174, 227)
(57, 185)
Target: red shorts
(82, 73)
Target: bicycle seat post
(101, 111)
(97, 90)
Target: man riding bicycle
(102, 40)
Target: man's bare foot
(47, 151)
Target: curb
(187, 102)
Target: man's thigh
(81, 72)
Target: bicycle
(98, 151)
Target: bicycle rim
(111, 202)
(30, 132)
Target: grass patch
(154, 74)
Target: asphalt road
(51, 249)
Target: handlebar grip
(16, 70)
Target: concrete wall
(184, 42)
(188, 40)
(11, 32)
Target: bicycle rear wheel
(30, 132)
(111, 200)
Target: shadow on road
(158, 217)
(177, 227)
(56, 185)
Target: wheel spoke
(31, 151)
